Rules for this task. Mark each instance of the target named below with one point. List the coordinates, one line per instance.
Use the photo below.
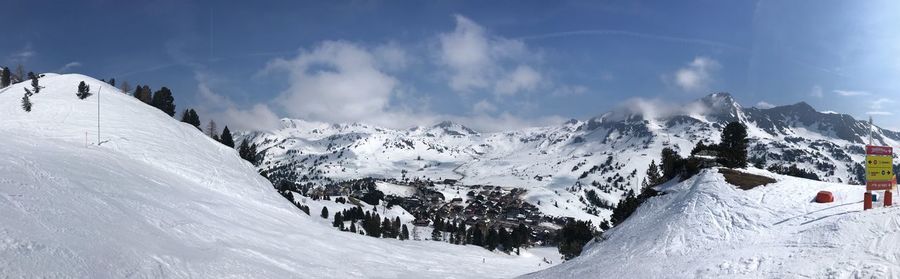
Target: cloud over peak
(696, 76)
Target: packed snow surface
(156, 198)
(707, 228)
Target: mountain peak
(721, 99)
(803, 105)
(453, 128)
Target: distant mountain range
(558, 164)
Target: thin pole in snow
(870, 130)
(98, 115)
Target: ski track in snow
(706, 228)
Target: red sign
(879, 185)
(879, 150)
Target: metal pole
(98, 115)
(870, 130)
(867, 199)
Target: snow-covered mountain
(158, 199)
(558, 164)
(706, 228)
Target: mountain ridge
(608, 153)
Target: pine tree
(34, 83)
(387, 228)
(436, 234)
(395, 226)
(324, 212)
(490, 242)
(84, 91)
(375, 224)
(5, 77)
(26, 101)
(572, 238)
(672, 163)
(338, 220)
(477, 236)
(353, 226)
(404, 233)
(653, 177)
(195, 120)
(733, 148)
(163, 100)
(226, 138)
(190, 116)
(505, 240)
(520, 236)
(112, 82)
(246, 151)
(251, 155)
(144, 94)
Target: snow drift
(705, 227)
(157, 198)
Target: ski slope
(707, 228)
(158, 199)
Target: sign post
(879, 173)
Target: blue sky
(492, 66)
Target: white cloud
(524, 78)
(341, 82)
(226, 112)
(655, 108)
(391, 56)
(695, 76)
(334, 82)
(816, 91)
(483, 107)
(257, 117)
(879, 103)
(764, 105)
(466, 51)
(851, 93)
(69, 66)
(478, 61)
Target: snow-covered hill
(558, 164)
(158, 199)
(707, 228)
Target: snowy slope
(159, 199)
(558, 164)
(704, 227)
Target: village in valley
(474, 205)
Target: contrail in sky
(611, 32)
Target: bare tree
(211, 130)
(20, 72)
(125, 87)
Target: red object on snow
(867, 201)
(887, 198)
(824, 197)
